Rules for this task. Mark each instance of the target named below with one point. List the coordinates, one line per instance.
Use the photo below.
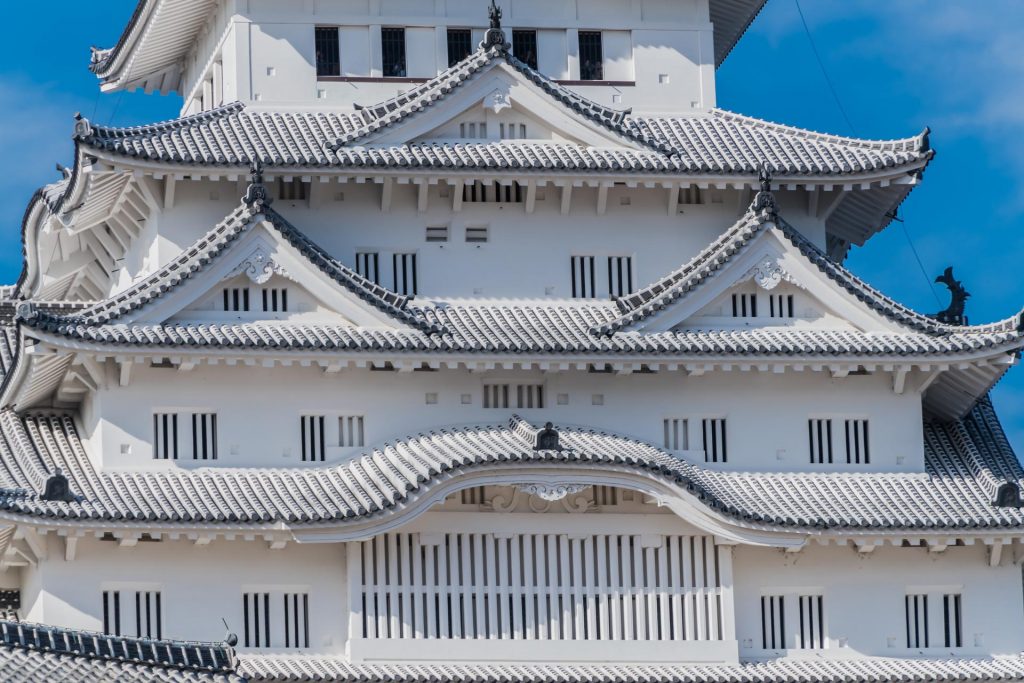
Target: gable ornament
(551, 492)
(498, 100)
(259, 266)
(495, 36)
(958, 296)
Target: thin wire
(853, 129)
(117, 106)
(821, 65)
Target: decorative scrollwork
(551, 492)
(259, 266)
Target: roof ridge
(817, 135)
(89, 130)
(175, 654)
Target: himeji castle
(453, 341)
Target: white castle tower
(439, 341)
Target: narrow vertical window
(744, 305)
(582, 271)
(713, 432)
(147, 614)
(296, 620)
(916, 612)
(812, 626)
(256, 617)
(112, 613)
(275, 300)
(591, 56)
(620, 275)
(404, 274)
(773, 622)
(165, 436)
(952, 620)
(524, 47)
(857, 451)
(328, 51)
(780, 305)
(819, 438)
(392, 46)
(204, 436)
(497, 395)
(312, 436)
(236, 299)
(676, 434)
(350, 431)
(460, 45)
(368, 265)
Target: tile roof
(966, 461)
(716, 143)
(281, 668)
(647, 302)
(206, 250)
(30, 653)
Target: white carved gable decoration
(259, 266)
(551, 492)
(498, 100)
(768, 274)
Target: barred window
(676, 434)
(275, 300)
(204, 436)
(311, 434)
(713, 431)
(524, 46)
(460, 45)
(404, 273)
(591, 56)
(780, 305)
(132, 613)
(744, 305)
(520, 396)
(583, 277)
(812, 622)
(819, 437)
(368, 265)
(236, 299)
(328, 51)
(620, 275)
(392, 46)
(773, 622)
(275, 619)
(857, 451)
(165, 436)
(350, 431)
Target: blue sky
(896, 66)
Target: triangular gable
(259, 243)
(763, 248)
(493, 77)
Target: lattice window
(292, 190)
(275, 299)
(437, 233)
(477, 234)
(236, 299)
(204, 436)
(524, 46)
(620, 275)
(538, 586)
(404, 276)
(350, 431)
(493, 192)
(714, 441)
(275, 620)
(139, 613)
(328, 51)
(819, 440)
(744, 305)
(677, 437)
(916, 606)
(392, 48)
(591, 56)
(952, 620)
(165, 436)
(311, 433)
(583, 277)
(368, 265)
(812, 622)
(857, 451)
(780, 305)
(512, 131)
(520, 396)
(460, 45)
(472, 130)
(773, 622)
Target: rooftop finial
(765, 200)
(494, 13)
(958, 296)
(58, 489)
(256, 195)
(495, 36)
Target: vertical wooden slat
(698, 583)
(675, 574)
(449, 578)
(431, 588)
(639, 586)
(465, 588)
(725, 581)
(379, 589)
(417, 589)
(603, 588)
(502, 588)
(626, 582)
(550, 602)
(480, 612)
(490, 549)
(564, 612)
(651, 589)
(590, 598)
(516, 608)
(577, 578)
(615, 587)
(356, 589)
(664, 595)
(689, 613)
(394, 626)
(712, 587)
(529, 583)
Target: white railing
(544, 586)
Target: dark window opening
(460, 45)
(392, 47)
(328, 51)
(591, 56)
(524, 47)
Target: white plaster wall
(864, 596)
(657, 45)
(345, 218)
(766, 413)
(199, 585)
